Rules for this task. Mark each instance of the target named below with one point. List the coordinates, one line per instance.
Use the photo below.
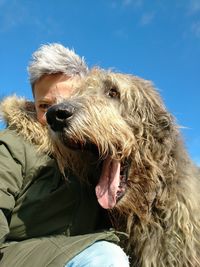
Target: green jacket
(45, 220)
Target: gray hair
(55, 58)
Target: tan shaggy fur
(125, 117)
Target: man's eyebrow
(45, 99)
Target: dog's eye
(113, 93)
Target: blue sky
(158, 40)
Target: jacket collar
(19, 114)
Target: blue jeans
(100, 254)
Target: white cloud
(147, 18)
(113, 4)
(12, 15)
(190, 11)
(2, 2)
(17, 15)
(194, 7)
(126, 3)
(121, 33)
(136, 3)
(195, 28)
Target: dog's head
(120, 121)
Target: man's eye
(44, 106)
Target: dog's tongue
(106, 189)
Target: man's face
(48, 89)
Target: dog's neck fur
(20, 115)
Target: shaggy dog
(119, 124)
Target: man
(44, 220)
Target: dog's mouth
(112, 182)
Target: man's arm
(10, 182)
(4, 228)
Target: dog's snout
(58, 116)
(63, 114)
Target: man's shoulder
(23, 151)
(18, 147)
(11, 137)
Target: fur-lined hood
(19, 114)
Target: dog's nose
(58, 116)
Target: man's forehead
(56, 76)
(50, 92)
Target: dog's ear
(153, 160)
(153, 127)
(144, 109)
